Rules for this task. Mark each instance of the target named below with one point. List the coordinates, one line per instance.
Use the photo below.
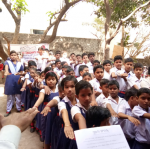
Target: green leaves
(20, 5)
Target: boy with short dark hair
(142, 112)
(57, 55)
(82, 69)
(77, 65)
(96, 62)
(91, 57)
(99, 73)
(107, 66)
(138, 70)
(119, 74)
(70, 71)
(58, 69)
(105, 92)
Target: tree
(118, 13)
(16, 8)
(56, 18)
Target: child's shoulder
(139, 111)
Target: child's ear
(100, 87)
(76, 96)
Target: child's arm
(24, 85)
(93, 103)
(47, 89)
(113, 75)
(53, 103)
(80, 120)
(146, 115)
(112, 112)
(130, 118)
(40, 99)
(67, 126)
(6, 70)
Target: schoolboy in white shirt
(126, 121)
(99, 73)
(57, 55)
(82, 69)
(107, 66)
(142, 112)
(91, 57)
(77, 65)
(138, 70)
(58, 69)
(105, 92)
(64, 58)
(73, 60)
(119, 74)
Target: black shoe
(41, 139)
(7, 114)
(32, 129)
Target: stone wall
(69, 44)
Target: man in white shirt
(91, 57)
(12, 126)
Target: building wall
(69, 44)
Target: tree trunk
(2, 52)
(16, 34)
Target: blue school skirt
(138, 145)
(11, 85)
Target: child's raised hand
(22, 89)
(47, 90)
(94, 103)
(69, 132)
(113, 113)
(124, 75)
(46, 110)
(134, 120)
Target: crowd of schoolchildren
(77, 93)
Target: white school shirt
(9, 137)
(138, 81)
(90, 66)
(96, 85)
(58, 71)
(107, 75)
(62, 105)
(126, 125)
(39, 62)
(56, 98)
(79, 78)
(76, 109)
(121, 81)
(142, 131)
(56, 90)
(62, 59)
(145, 83)
(76, 70)
(100, 100)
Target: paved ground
(28, 140)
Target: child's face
(87, 78)
(57, 56)
(69, 89)
(113, 91)
(53, 66)
(105, 122)
(79, 58)
(85, 59)
(144, 100)
(91, 58)
(42, 76)
(84, 71)
(134, 101)
(27, 70)
(118, 64)
(73, 57)
(32, 73)
(99, 73)
(85, 97)
(36, 76)
(40, 52)
(13, 56)
(58, 64)
(71, 73)
(66, 64)
(51, 81)
(61, 93)
(104, 89)
(107, 67)
(128, 66)
(64, 71)
(138, 72)
(95, 64)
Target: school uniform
(62, 77)
(76, 70)
(121, 81)
(62, 59)
(62, 141)
(90, 65)
(114, 105)
(138, 81)
(12, 88)
(107, 75)
(79, 78)
(145, 83)
(126, 125)
(100, 100)
(142, 131)
(96, 85)
(58, 71)
(47, 98)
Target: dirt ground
(28, 140)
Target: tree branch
(8, 6)
(67, 3)
(125, 19)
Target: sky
(37, 18)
